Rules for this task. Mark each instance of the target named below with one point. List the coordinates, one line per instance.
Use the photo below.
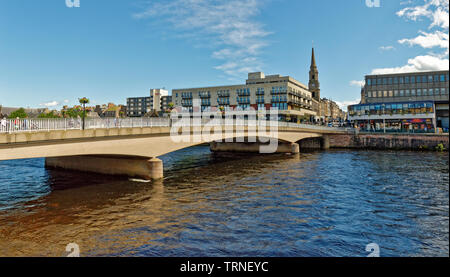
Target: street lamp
(84, 101)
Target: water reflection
(317, 204)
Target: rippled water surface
(329, 203)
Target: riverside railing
(33, 125)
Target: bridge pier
(251, 147)
(137, 167)
(325, 145)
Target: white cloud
(428, 40)
(344, 104)
(387, 48)
(417, 64)
(355, 83)
(228, 26)
(50, 104)
(437, 12)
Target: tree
(83, 101)
(72, 113)
(49, 115)
(20, 113)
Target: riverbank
(390, 141)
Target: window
(436, 91)
(390, 81)
(442, 78)
(379, 81)
(436, 78)
(443, 91)
(405, 108)
(424, 79)
(395, 93)
(401, 80)
(419, 79)
(384, 81)
(413, 80)
(430, 91)
(385, 94)
(401, 93)
(407, 93)
(413, 92)
(380, 94)
(406, 80)
(396, 80)
(430, 78)
(391, 93)
(369, 82)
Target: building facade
(330, 111)
(295, 101)
(158, 101)
(292, 98)
(408, 101)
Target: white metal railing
(31, 125)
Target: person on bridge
(17, 123)
(3, 124)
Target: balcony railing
(205, 95)
(223, 94)
(244, 93)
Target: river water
(330, 203)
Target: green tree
(72, 113)
(83, 102)
(20, 113)
(48, 115)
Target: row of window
(279, 98)
(407, 92)
(391, 108)
(204, 94)
(186, 103)
(140, 99)
(243, 100)
(240, 92)
(407, 80)
(206, 102)
(279, 90)
(223, 101)
(280, 106)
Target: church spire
(314, 85)
(313, 60)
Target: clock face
(313, 85)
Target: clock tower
(314, 85)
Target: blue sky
(51, 55)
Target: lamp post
(84, 101)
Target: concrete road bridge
(132, 146)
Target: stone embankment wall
(389, 141)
